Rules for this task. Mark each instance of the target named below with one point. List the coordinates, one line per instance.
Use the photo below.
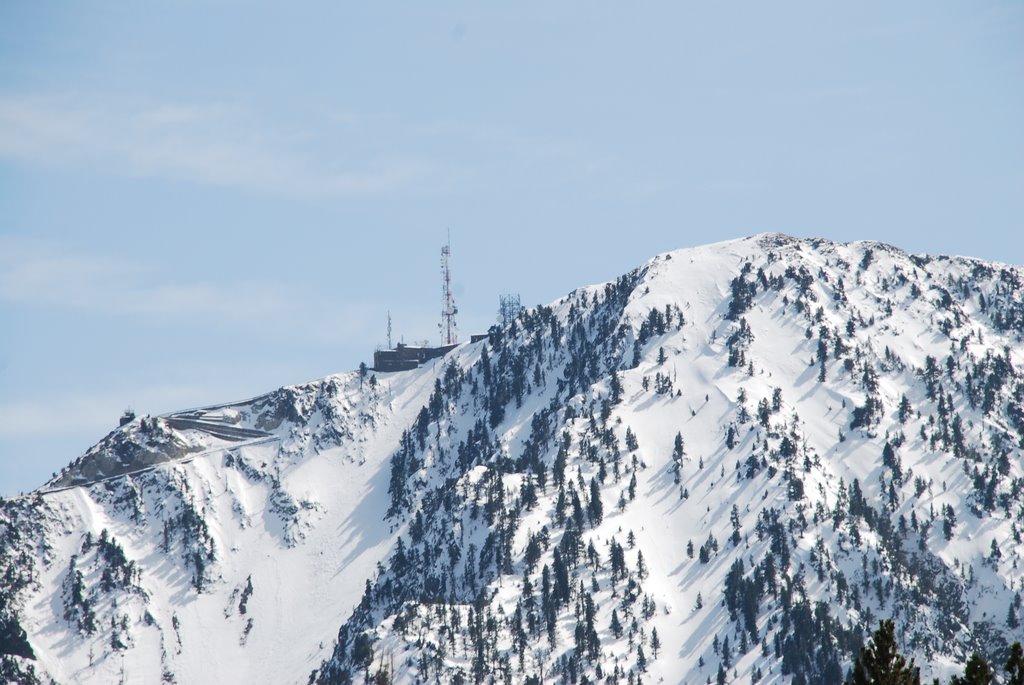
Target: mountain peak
(728, 463)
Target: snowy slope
(732, 413)
(297, 516)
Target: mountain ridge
(813, 498)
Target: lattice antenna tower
(449, 329)
(389, 331)
(508, 308)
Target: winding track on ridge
(218, 428)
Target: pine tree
(678, 448)
(976, 672)
(631, 442)
(734, 518)
(616, 625)
(655, 642)
(362, 653)
(948, 522)
(616, 388)
(880, 663)
(904, 409)
(595, 508)
(1015, 666)
(641, 567)
(383, 675)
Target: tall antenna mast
(389, 330)
(508, 308)
(449, 329)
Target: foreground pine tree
(1015, 666)
(880, 662)
(976, 672)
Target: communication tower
(448, 327)
(508, 308)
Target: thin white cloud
(40, 274)
(209, 144)
(47, 275)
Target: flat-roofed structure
(405, 357)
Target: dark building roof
(406, 357)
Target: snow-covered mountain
(726, 465)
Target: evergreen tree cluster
(881, 663)
(437, 595)
(572, 455)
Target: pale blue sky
(201, 201)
